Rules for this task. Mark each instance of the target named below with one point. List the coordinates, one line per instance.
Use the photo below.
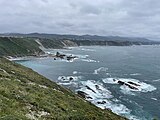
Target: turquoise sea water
(100, 66)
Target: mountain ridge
(78, 37)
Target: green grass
(10, 46)
(51, 43)
(25, 94)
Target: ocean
(104, 73)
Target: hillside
(56, 44)
(19, 46)
(24, 94)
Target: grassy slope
(54, 44)
(18, 46)
(57, 44)
(11, 46)
(23, 93)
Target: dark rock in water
(55, 59)
(63, 56)
(97, 87)
(71, 78)
(133, 83)
(71, 57)
(103, 102)
(130, 86)
(89, 97)
(90, 88)
(121, 82)
(58, 55)
(82, 94)
(62, 78)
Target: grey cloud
(103, 17)
(89, 9)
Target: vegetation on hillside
(10, 46)
(24, 94)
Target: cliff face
(24, 94)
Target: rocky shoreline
(56, 56)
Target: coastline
(144, 87)
(46, 54)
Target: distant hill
(79, 37)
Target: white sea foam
(85, 49)
(126, 90)
(95, 90)
(141, 86)
(101, 97)
(81, 56)
(75, 72)
(69, 83)
(132, 117)
(156, 80)
(19, 58)
(116, 108)
(101, 69)
(110, 80)
(89, 60)
(154, 99)
(135, 74)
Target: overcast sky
(138, 18)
